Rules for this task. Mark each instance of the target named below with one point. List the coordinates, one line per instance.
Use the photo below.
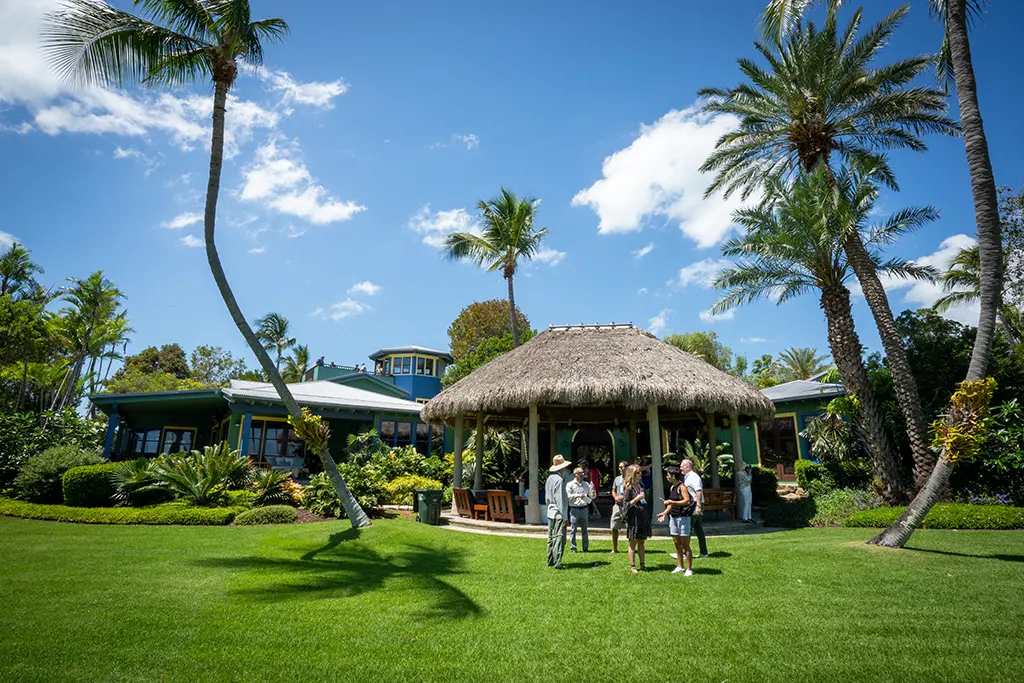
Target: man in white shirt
(696, 488)
(558, 510)
(618, 519)
(580, 494)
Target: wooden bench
(501, 507)
(467, 507)
(720, 499)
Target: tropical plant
(136, 485)
(17, 271)
(962, 283)
(296, 365)
(320, 498)
(792, 245)
(508, 236)
(821, 101)
(272, 487)
(273, 329)
(181, 42)
(699, 453)
(802, 363)
(830, 437)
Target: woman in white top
(743, 480)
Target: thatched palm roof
(616, 366)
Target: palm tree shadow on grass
(339, 569)
(995, 556)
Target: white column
(457, 457)
(737, 445)
(654, 427)
(713, 450)
(632, 439)
(533, 504)
(478, 468)
(522, 461)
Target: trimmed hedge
(240, 499)
(947, 516)
(270, 514)
(168, 513)
(90, 486)
(790, 514)
(838, 475)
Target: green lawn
(401, 601)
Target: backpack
(685, 510)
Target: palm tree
(792, 246)
(182, 41)
(296, 365)
(962, 283)
(272, 330)
(802, 363)
(16, 271)
(820, 101)
(508, 236)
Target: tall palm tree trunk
(990, 248)
(222, 81)
(846, 351)
(896, 355)
(512, 311)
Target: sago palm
(802, 363)
(180, 42)
(273, 330)
(822, 101)
(508, 236)
(791, 247)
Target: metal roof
(380, 353)
(323, 393)
(802, 389)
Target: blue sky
(377, 126)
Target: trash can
(428, 506)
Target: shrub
(239, 499)
(366, 482)
(269, 514)
(849, 474)
(437, 468)
(947, 516)
(835, 506)
(764, 485)
(272, 487)
(808, 471)
(789, 514)
(90, 486)
(168, 513)
(22, 436)
(40, 480)
(400, 490)
(202, 477)
(136, 485)
(318, 497)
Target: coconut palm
(180, 42)
(802, 363)
(296, 365)
(272, 330)
(16, 271)
(508, 236)
(792, 246)
(821, 101)
(962, 283)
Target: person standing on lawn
(696, 489)
(580, 494)
(638, 523)
(558, 510)
(618, 517)
(743, 480)
(678, 508)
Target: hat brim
(559, 468)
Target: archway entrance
(595, 445)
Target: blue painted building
(779, 444)
(415, 369)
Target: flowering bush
(835, 506)
(970, 497)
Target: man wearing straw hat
(558, 509)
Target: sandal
(633, 569)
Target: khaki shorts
(618, 519)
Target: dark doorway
(778, 445)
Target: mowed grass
(406, 602)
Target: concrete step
(598, 528)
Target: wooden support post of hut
(737, 446)
(457, 455)
(478, 463)
(713, 451)
(580, 375)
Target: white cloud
(294, 232)
(700, 273)
(470, 141)
(279, 180)
(365, 287)
(130, 153)
(752, 340)
(7, 239)
(435, 227)
(341, 310)
(552, 257)
(192, 241)
(709, 317)
(642, 291)
(183, 220)
(658, 323)
(643, 251)
(921, 294)
(316, 93)
(658, 175)
(257, 250)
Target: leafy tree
(766, 372)
(273, 330)
(26, 336)
(508, 236)
(133, 380)
(479, 321)
(16, 271)
(213, 366)
(822, 100)
(802, 363)
(703, 345)
(487, 351)
(181, 42)
(792, 245)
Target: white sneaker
(674, 556)
(687, 573)
(678, 570)
(703, 556)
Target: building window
(421, 366)
(430, 367)
(274, 443)
(423, 438)
(387, 432)
(387, 366)
(437, 441)
(403, 436)
(177, 439)
(144, 441)
(407, 365)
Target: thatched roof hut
(588, 368)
